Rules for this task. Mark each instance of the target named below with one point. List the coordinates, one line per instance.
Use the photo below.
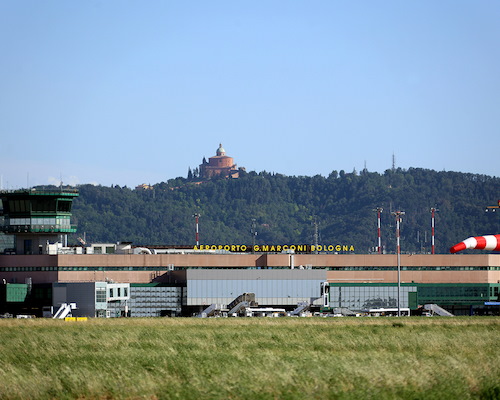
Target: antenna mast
(379, 212)
(433, 216)
(196, 218)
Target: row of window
(360, 294)
(39, 221)
(419, 268)
(29, 269)
(457, 291)
(107, 250)
(100, 293)
(119, 292)
(167, 303)
(361, 297)
(164, 268)
(38, 205)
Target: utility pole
(398, 215)
(196, 218)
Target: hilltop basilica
(219, 165)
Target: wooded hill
(286, 207)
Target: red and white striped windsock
(488, 242)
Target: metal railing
(42, 191)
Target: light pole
(196, 218)
(398, 215)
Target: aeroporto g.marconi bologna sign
(268, 248)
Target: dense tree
(285, 208)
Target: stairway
(435, 309)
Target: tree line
(337, 209)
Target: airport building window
(100, 295)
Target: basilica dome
(220, 151)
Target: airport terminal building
(458, 283)
(118, 279)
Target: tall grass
(259, 358)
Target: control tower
(37, 217)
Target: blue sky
(131, 92)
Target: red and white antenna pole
(433, 218)
(379, 211)
(196, 217)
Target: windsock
(488, 242)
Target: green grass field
(259, 358)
